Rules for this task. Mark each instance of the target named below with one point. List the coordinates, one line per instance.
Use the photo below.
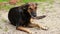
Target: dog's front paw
(45, 28)
(29, 32)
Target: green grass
(4, 0)
(25, 1)
(20, 2)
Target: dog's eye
(29, 8)
(35, 7)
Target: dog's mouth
(33, 14)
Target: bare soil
(52, 20)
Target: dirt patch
(52, 20)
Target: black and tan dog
(21, 16)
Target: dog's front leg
(40, 26)
(23, 29)
(40, 17)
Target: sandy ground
(52, 20)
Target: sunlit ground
(49, 8)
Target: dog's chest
(26, 16)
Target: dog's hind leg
(23, 29)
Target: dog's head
(31, 8)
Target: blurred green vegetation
(33, 1)
(20, 2)
(4, 0)
(24, 0)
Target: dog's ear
(36, 3)
(26, 6)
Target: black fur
(19, 16)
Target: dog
(20, 17)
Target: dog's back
(17, 14)
(13, 15)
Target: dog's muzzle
(33, 14)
